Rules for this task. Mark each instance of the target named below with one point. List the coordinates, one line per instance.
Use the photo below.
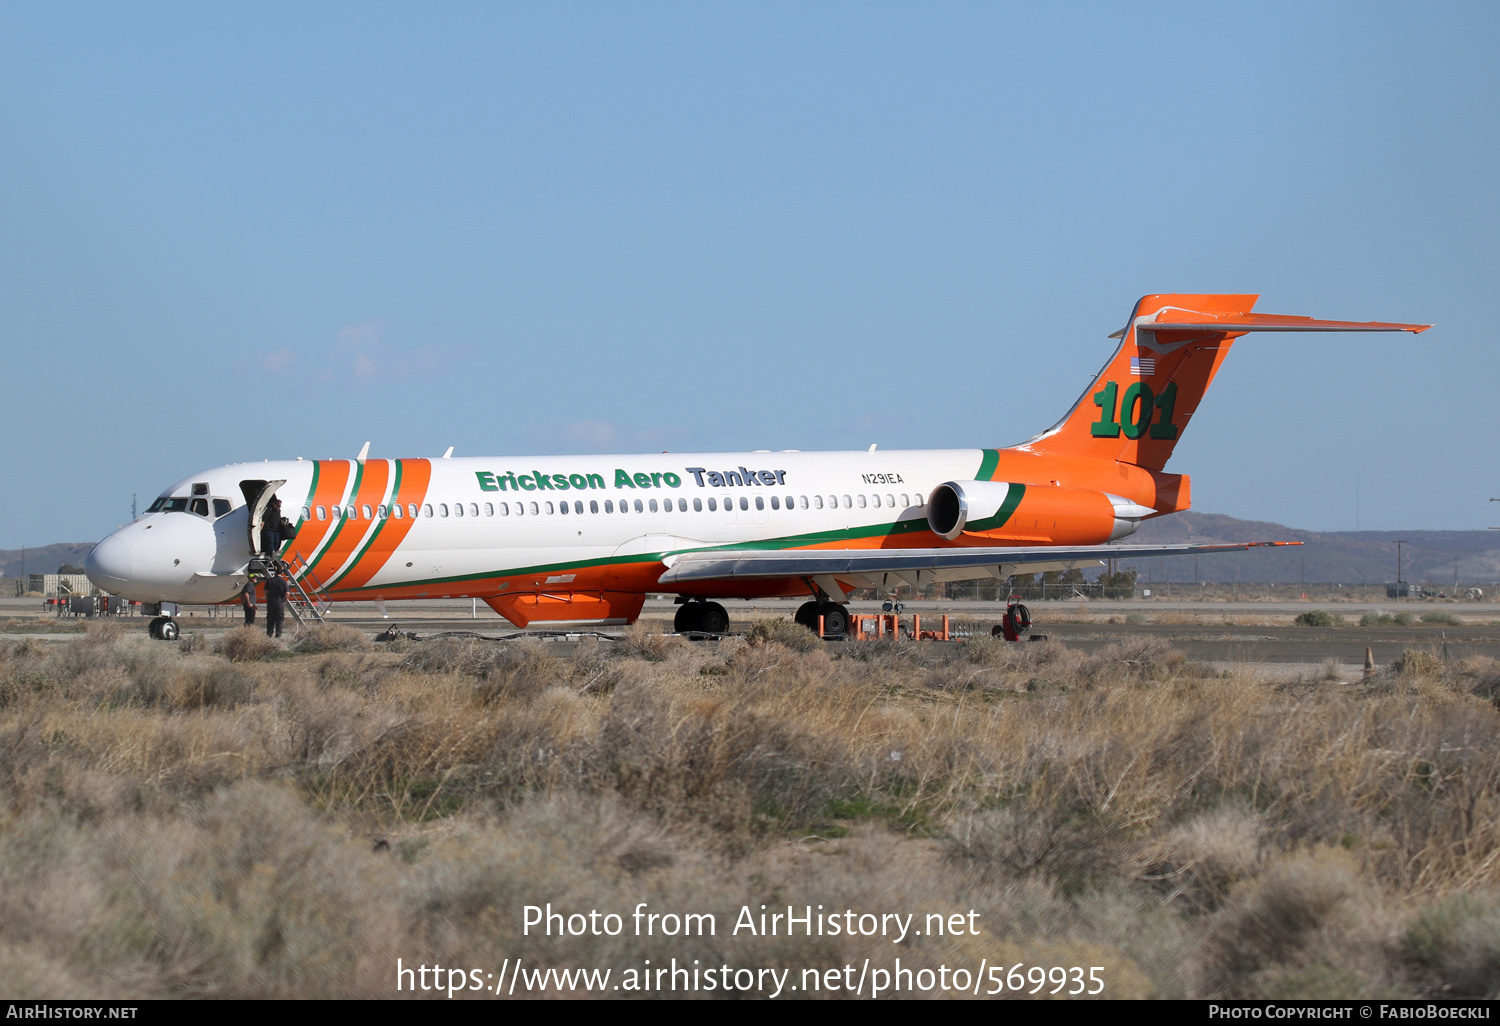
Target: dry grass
(263, 822)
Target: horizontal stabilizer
(1175, 320)
(951, 564)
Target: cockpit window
(221, 507)
(169, 504)
(200, 507)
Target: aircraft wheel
(687, 618)
(169, 631)
(807, 615)
(154, 627)
(835, 620)
(713, 618)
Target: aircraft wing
(870, 567)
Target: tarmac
(1260, 633)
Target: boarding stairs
(306, 595)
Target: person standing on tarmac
(275, 605)
(247, 602)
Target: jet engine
(1037, 514)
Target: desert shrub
(1442, 617)
(247, 645)
(783, 631)
(1457, 939)
(1378, 619)
(1270, 926)
(1319, 618)
(211, 685)
(647, 641)
(332, 637)
(1195, 865)
(1418, 663)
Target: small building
(1403, 589)
(61, 585)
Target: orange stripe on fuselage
(371, 490)
(333, 476)
(415, 476)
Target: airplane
(554, 540)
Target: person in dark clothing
(275, 605)
(247, 602)
(270, 530)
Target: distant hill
(1348, 557)
(44, 559)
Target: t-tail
(1170, 350)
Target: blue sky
(237, 232)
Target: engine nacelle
(1044, 514)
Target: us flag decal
(1143, 366)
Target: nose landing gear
(164, 628)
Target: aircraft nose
(108, 563)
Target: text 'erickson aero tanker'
(582, 539)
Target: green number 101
(1136, 412)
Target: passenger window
(775, 502)
(411, 509)
(890, 500)
(473, 509)
(639, 507)
(520, 509)
(458, 509)
(489, 509)
(609, 505)
(833, 501)
(396, 511)
(505, 509)
(713, 505)
(221, 508)
(200, 506)
(563, 508)
(322, 513)
(577, 507)
(744, 502)
(381, 512)
(697, 505)
(682, 505)
(861, 499)
(535, 511)
(427, 509)
(817, 502)
(653, 505)
(549, 507)
(801, 502)
(760, 503)
(366, 510)
(849, 503)
(593, 505)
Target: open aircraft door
(258, 495)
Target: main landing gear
(164, 628)
(701, 617)
(835, 618)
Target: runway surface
(1218, 632)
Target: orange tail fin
(1139, 405)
